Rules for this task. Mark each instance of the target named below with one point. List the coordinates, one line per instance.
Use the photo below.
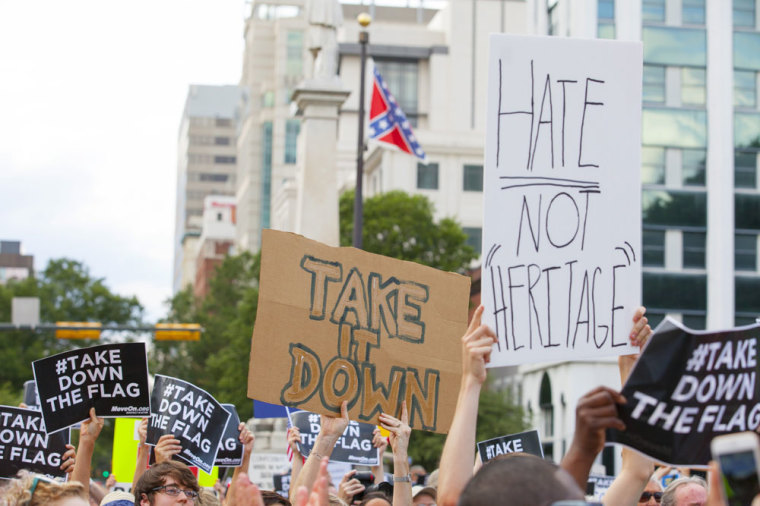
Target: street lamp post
(364, 20)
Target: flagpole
(364, 20)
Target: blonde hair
(18, 492)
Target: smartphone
(738, 456)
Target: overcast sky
(91, 96)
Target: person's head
(118, 498)
(167, 483)
(690, 491)
(418, 474)
(273, 499)
(423, 496)
(32, 490)
(376, 499)
(526, 479)
(652, 494)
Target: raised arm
(88, 434)
(379, 442)
(331, 429)
(247, 438)
(143, 451)
(294, 436)
(456, 464)
(399, 439)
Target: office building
(206, 165)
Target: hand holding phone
(738, 456)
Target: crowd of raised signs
(187, 426)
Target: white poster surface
(562, 215)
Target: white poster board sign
(562, 225)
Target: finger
(475, 322)
(405, 413)
(639, 313)
(483, 341)
(601, 395)
(480, 332)
(344, 410)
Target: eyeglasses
(174, 491)
(646, 495)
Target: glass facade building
(687, 175)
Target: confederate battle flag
(388, 123)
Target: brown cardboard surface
(341, 323)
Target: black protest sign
(598, 484)
(191, 415)
(525, 442)
(688, 387)
(112, 378)
(353, 447)
(25, 444)
(31, 397)
(282, 484)
(230, 452)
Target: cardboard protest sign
(25, 444)
(112, 378)
(338, 324)
(525, 442)
(562, 197)
(686, 388)
(353, 447)
(191, 415)
(230, 452)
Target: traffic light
(77, 330)
(178, 332)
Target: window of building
(683, 128)
(267, 99)
(674, 291)
(653, 246)
(676, 208)
(747, 297)
(693, 12)
(654, 84)
(474, 238)
(747, 130)
(744, 13)
(292, 128)
(427, 176)
(216, 178)
(224, 159)
(745, 50)
(693, 83)
(294, 53)
(694, 250)
(653, 11)
(223, 122)
(675, 46)
(652, 165)
(473, 178)
(401, 77)
(745, 252)
(747, 211)
(696, 321)
(693, 163)
(266, 173)
(745, 169)
(745, 88)
(606, 19)
(222, 141)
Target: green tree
(400, 225)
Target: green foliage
(218, 362)
(400, 225)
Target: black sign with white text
(230, 452)
(525, 442)
(24, 444)
(31, 397)
(112, 378)
(191, 415)
(282, 484)
(688, 387)
(353, 447)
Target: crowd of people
(513, 479)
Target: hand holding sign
(333, 427)
(477, 344)
(166, 448)
(294, 436)
(68, 459)
(399, 429)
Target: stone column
(316, 171)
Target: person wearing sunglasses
(167, 483)
(652, 494)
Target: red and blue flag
(388, 123)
